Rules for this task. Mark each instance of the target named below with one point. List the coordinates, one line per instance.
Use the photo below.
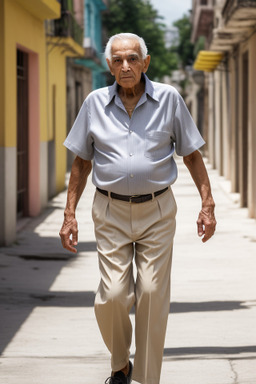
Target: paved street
(49, 333)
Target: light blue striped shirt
(134, 155)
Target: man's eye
(117, 60)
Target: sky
(172, 10)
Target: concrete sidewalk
(48, 329)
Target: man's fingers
(207, 235)
(200, 228)
(68, 244)
(206, 224)
(70, 247)
(74, 235)
(209, 231)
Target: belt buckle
(131, 197)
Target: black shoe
(120, 378)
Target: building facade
(23, 110)
(86, 73)
(64, 39)
(32, 107)
(228, 61)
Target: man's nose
(125, 66)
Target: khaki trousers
(143, 232)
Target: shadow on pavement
(25, 284)
(28, 268)
(189, 351)
(208, 306)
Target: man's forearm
(196, 167)
(78, 178)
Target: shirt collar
(149, 90)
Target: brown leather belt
(133, 198)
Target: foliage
(184, 48)
(139, 17)
(199, 45)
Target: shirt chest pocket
(157, 145)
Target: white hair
(124, 36)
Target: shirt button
(131, 175)
(131, 131)
(131, 154)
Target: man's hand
(206, 223)
(69, 234)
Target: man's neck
(130, 97)
(132, 93)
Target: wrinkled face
(127, 63)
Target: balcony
(202, 19)
(67, 26)
(65, 33)
(238, 13)
(90, 50)
(239, 20)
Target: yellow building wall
(57, 109)
(22, 29)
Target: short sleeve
(79, 139)
(186, 135)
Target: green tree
(138, 16)
(184, 48)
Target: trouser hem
(119, 366)
(142, 380)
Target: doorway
(22, 134)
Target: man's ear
(146, 63)
(110, 67)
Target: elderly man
(130, 130)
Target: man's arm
(78, 178)
(206, 222)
